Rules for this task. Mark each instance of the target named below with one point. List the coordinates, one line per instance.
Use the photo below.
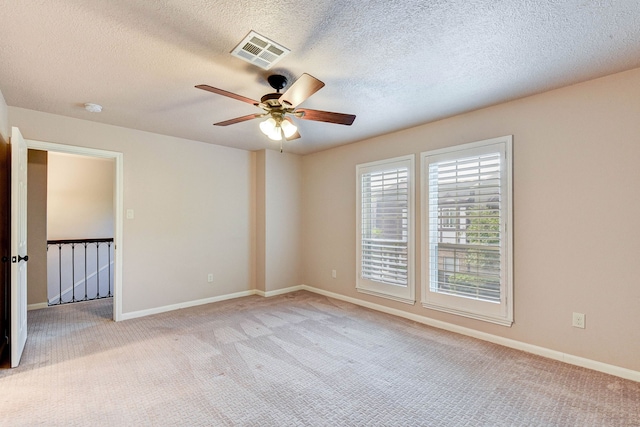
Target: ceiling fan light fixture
(268, 126)
(288, 128)
(271, 128)
(276, 135)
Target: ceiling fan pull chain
(281, 146)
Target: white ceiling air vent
(259, 50)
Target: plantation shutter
(385, 226)
(465, 225)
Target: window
(448, 219)
(467, 236)
(385, 228)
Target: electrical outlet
(334, 274)
(210, 278)
(578, 320)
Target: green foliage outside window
(483, 230)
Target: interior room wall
(576, 153)
(79, 197)
(191, 204)
(260, 219)
(4, 119)
(37, 227)
(283, 189)
(278, 220)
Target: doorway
(78, 220)
(117, 159)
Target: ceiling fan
(281, 107)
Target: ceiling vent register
(259, 50)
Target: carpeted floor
(295, 360)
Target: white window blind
(467, 224)
(385, 196)
(384, 228)
(464, 214)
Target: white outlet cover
(578, 320)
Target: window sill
(502, 321)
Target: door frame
(117, 206)
(5, 240)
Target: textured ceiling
(393, 64)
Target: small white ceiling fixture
(259, 50)
(93, 108)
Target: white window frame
(405, 294)
(495, 312)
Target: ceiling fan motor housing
(271, 99)
(277, 81)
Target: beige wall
(576, 173)
(4, 120)
(191, 202)
(261, 219)
(278, 220)
(79, 197)
(283, 189)
(37, 226)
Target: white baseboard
(518, 345)
(280, 291)
(163, 309)
(37, 306)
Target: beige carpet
(295, 360)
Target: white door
(18, 245)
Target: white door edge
(19, 249)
